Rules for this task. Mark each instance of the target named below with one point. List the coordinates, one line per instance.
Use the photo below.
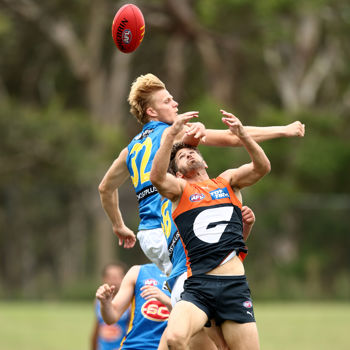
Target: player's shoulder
(134, 271)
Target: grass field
(67, 326)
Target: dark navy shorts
(220, 297)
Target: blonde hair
(141, 93)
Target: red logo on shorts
(154, 310)
(248, 304)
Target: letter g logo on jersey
(154, 310)
(197, 197)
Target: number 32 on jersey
(140, 175)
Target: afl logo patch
(151, 282)
(197, 197)
(154, 310)
(248, 304)
(126, 36)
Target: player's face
(163, 107)
(188, 160)
(114, 276)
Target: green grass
(45, 326)
(67, 326)
(304, 326)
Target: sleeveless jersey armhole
(233, 196)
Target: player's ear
(180, 175)
(151, 112)
(205, 165)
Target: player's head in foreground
(185, 160)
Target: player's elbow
(155, 178)
(103, 188)
(266, 168)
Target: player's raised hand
(197, 130)
(125, 235)
(233, 123)
(181, 121)
(295, 129)
(106, 293)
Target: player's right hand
(181, 121)
(106, 293)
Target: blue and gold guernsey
(110, 336)
(148, 317)
(141, 152)
(175, 248)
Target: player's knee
(176, 340)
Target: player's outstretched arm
(113, 304)
(225, 138)
(116, 175)
(248, 174)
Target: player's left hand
(234, 124)
(248, 216)
(295, 129)
(149, 292)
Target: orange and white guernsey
(209, 220)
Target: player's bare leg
(201, 341)
(215, 334)
(185, 320)
(241, 336)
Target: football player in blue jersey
(155, 108)
(144, 288)
(109, 337)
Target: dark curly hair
(176, 148)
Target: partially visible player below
(109, 337)
(144, 287)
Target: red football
(128, 28)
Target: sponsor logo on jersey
(219, 193)
(151, 282)
(154, 310)
(196, 197)
(248, 304)
(146, 192)
(144, 134)
(172, 244)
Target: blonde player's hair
(141, 93)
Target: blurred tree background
(64, 118)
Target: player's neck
(198, 175)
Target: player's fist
(248, 216)
(106, 293)
(295, 129)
